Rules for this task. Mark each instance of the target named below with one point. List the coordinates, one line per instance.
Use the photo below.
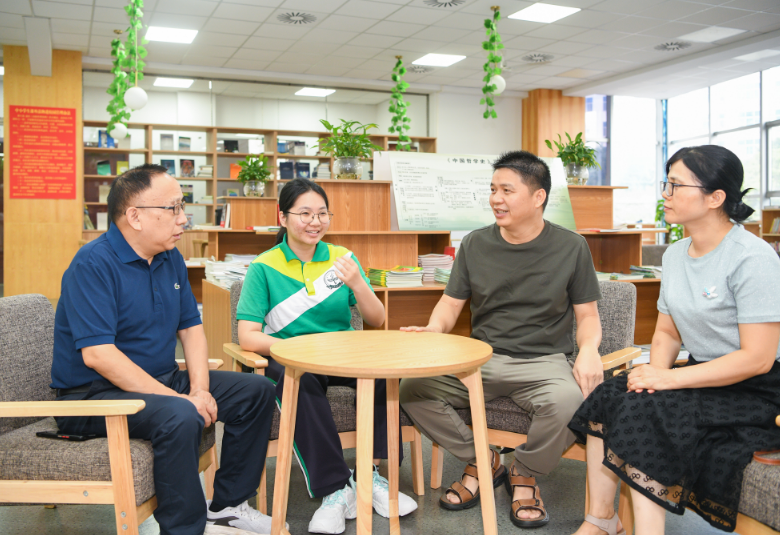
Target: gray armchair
(114, 470)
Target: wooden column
(41, 235)
(547, 113)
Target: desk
(390, 355)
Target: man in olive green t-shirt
(527, 280)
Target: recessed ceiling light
(315, 92)
(761, 54)
(182, 83)
(170, 35)
(713, 33)
(541, 12)
(438, 60)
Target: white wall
(162, 108)
(458, 124)
(417, 111)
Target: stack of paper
(430, 262)
(398, 277)
(225, 273)
(649, 272)
(442, 276)
(323, 171)
(206, 171)
(266, 229)
(244, 259)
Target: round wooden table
(390, 355)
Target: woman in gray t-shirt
(682, 437)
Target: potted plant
(675, 231)
(348, 143)
(254, 174)
(576, 157)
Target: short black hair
(532, 170)
(128, 185)
(717, 168)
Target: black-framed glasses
(176, 208)
(667, 188)
(308, 217)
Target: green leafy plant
(127, 65)
(254, 167)
(349, 140)
(398, 106)
(492, 66)
(575, 151)
(675, 231)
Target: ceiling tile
(246, 64)
(589, 19)
(212, 51)
(239, 27)
(314, 47)
(299, 68)
(769, 6)
(201, 8)
(101, 42)
(99, 52)
(370, 10)
(53, 10)
(466, 21)
(601, 52)
(381, 41)
(395, 29)
(322, 70)
(283, 31)
(362, 52)
(547, 70)
(341, 22)
(172, 57)
(257, 55)
(482, 7)
(571, 61)
(219, 39)
(13, 34)
(326, 6)
(555, 31)
(422, 46)
(168, 20)
(418, 15)
(9, 20)
(106, 29)
(646, 56)
(261, 3)
(631, 24)
(527, 43)
(299, 57)
(636, 41)
(17, 7)
(760, 22)
(474, 39)
(563, 47)
(613, 65)
(719, 16)
(580, 73)
(672, 10)
(460, 49)
(111, 15)
(555, 82)
(627, 7)
(68, 26)
(365, 73)
(243, 12)
(203, 61)
(267, 43)
(70, 39)
(442, 35)
(596, 37)
(329, 36)
(375, 65)
(671, 30)
(517, 27)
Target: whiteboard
(451, 191)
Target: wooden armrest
(247, 358)
(213, 364)
(613, 360)
(108, 407)
(777, 421)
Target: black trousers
(245, 404)
(317, 445)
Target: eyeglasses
(176, 208)
(667, 188)
(308, 217)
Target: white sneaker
(335, 509)
(241, 517)
(380, 497)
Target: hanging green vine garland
(127, 58)
(398, 106)
(492, 66)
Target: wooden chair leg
(626, 509)
(122, 475)
(262, 497)
(236, 366)
(437, 465)
(210, 473)
(418, 475)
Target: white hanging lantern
(499, 82)
(136, 98)
(118, 131)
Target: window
(689, 115)
(773, 147)
(746, 144)
(770, 84)
(597, 117)
(736, 103)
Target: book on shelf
(323, 171)
(170, 165)
(187, 167)
(105, 141)
(235, 169)
(430, 262)
(102, 221)
(225, 223)
(103, 167)
(206, 199)
(231, 192)
(87, 220)
(286, 170)
(187, 190)
(122, 166)
(103, 191)
(775, 228)
(298, 148)
(166, 141)
(397, 277)
(206, 171)
(184, 143)
(441, 275)
(302, 170)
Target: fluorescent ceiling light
(314, 92)
(173, 82)
(438, 60)
(541, 12)
(761, 54)
(713, 33)
(170, 35)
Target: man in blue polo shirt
(124, 299)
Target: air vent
(673, 46)
(537, 58)
(419, 69)
(450, 3)
(296, 18)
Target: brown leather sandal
(467, 498)
(516, 480)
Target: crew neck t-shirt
(522, 294)
(708, 297)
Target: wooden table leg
(292, 381)
(392, 452)
(473, 381)
(364, 453)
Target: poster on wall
(41, 153)
(451, 192)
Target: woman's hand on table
(414, 329)
(650, 378)
(348, 272)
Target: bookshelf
(145, 143)
(768, 216)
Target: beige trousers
(543, 386)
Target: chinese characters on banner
(42, 152)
